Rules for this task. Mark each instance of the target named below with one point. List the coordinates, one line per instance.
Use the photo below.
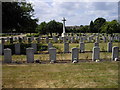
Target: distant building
(72, 27)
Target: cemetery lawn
(80, 75)
(62, 75)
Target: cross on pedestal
(63, 34)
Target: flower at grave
(75, 60)
(97, 60)
(116, 59)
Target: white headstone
(30, 55)
(82, 47)
(109, 49)
(115, 52)
(66, 47)
(52, 53)
(75, 54)
(96, 53)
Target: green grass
(81, 75)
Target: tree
(50, 27)
(54, 27)
(91, 26)
(59, 28)
(98, 23)
(18, 16)
(111, 27)
(84, 29)
(42, 28)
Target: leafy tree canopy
(18, 17)
(50, 27)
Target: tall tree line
(100, 25)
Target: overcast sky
(76, 13)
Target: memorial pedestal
(63, 34)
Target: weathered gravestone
(96, 44)
(50, 45)
(72, 39)
(75, 54)
(89, 39)
(69, 39)
(77, 38)
(96, 53)
(52, 54)
(17, 48)
(32, 38)
(82, 47)
(55, 39)
(30, 55)
(97, 39)
(64, 39)
(34, 46)
(66, 47)
(81, 39)
(60, 38)
(47, 39)
(115, 52)
(1, 48)
(110, 39)
(104, 39)
(109, 49)
(7, 55)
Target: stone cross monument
(64, 34)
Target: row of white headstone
(66, 47)
(55, 39)
(52, 54)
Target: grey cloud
(104, 5)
